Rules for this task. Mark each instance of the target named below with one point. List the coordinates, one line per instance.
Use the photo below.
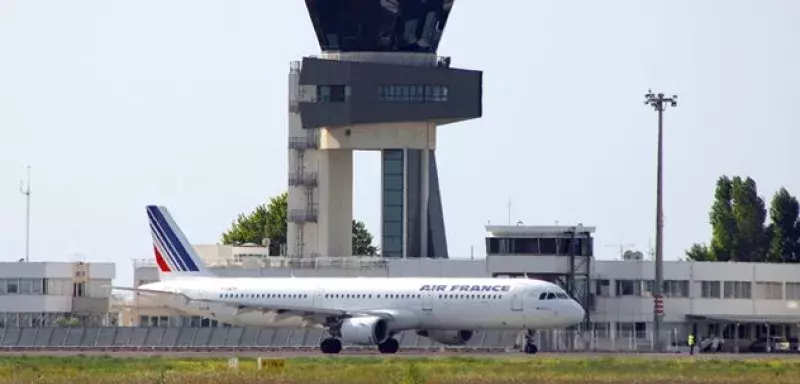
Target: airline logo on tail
(171, 250)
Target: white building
(761, 298)
(53, 293)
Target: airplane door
(318, 297)
(427, 301)
(516, 302)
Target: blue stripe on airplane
(165, 252)
(168, 246)
(180, 250)
(168, 249)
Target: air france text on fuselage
(466, 288)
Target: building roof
(763, 318)
(536, 230)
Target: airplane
(365, 311)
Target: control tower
(378, 85)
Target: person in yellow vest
(690, 341)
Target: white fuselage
(417, 303)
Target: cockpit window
(553, 296)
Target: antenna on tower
(27, 192)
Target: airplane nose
(577, 313)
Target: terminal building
(49, 294)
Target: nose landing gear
(530, 346)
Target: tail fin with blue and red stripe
(174, 255)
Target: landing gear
(391, 345)
(330, 345)
(530, 346)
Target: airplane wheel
(530, 348)
(389, 346)
(330, 345)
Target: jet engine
(448, 337)
(366, 330)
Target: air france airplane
(356, 310)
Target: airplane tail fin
(174, 255)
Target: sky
(120, 104)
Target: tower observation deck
(378, 85)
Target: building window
(413, 93)
(602, 287)
(769, 290)
(333, 93)
(710, 289)
(737, 290)
(629, 287)
(12, 286)
(676, 288)
(792, 291)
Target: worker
(690, 341)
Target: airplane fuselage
(416, 303)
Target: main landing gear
(530, 346)
(334, 345)
(391, 345)
(330, 345)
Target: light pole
(659, 103)
(27, 192)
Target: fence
(251, 338)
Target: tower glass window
(379, 25)
(413, 93)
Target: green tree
(270, 221)
(277, 223)
(264, 222)
(783, 213)
(722, 222)
(362, 240)
(250, 228)
(749, 212)
(699, 252)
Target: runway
(290, 354)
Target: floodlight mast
(659, 103)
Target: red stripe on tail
(160, 261)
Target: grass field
(104, 369)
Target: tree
(248, 228)
(270, 222)
(783, 213)
(749, 213)
(277, 223)
(699, 252)
(722, 222)
(362, 240)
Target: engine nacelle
(448, 337)
(366, 330)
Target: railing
(243, 338)
(303, 142)
(303, 215)
(306, 179)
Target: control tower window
(333, 93)
(413, 93)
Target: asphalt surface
(409, 354)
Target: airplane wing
(316, 315)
